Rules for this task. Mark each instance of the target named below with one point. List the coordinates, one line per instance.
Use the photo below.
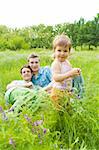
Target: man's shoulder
(45, 68)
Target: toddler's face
(61, 53)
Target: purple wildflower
(35, 123)
(3, 113)
(27, 118)
(38, 122)
(44, 130)
(1, 109)
(11, 141)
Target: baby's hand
(75, 72)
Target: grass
(77, 129)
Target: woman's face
(26, 74)
(34, 63)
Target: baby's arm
(48, 87)
(58, 77)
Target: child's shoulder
(68, 63)
(56, 66)
(55, 63)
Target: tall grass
(76, 129)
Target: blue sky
(22, 13)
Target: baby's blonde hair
(62, 40)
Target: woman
(23, 93)
(19, 88)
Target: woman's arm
(18, 84)
(10, 85)
(28, 85)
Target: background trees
(82, 33)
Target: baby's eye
(31, 62)
(65, 50)
(59, 50)
(36, 62)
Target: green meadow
(77, 129)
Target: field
(77, 129)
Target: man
(41, 75)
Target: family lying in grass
(59, 80)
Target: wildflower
(44, 130)
(35, 123)
(27, 118)
(11, 141)
(3, 113)
(38, 122)
(4, 116)
(1, 109)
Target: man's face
(34, 63)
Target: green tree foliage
(41, 36)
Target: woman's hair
(26, 66)
(32, 56)
(62, 40)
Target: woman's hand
(29, 84)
